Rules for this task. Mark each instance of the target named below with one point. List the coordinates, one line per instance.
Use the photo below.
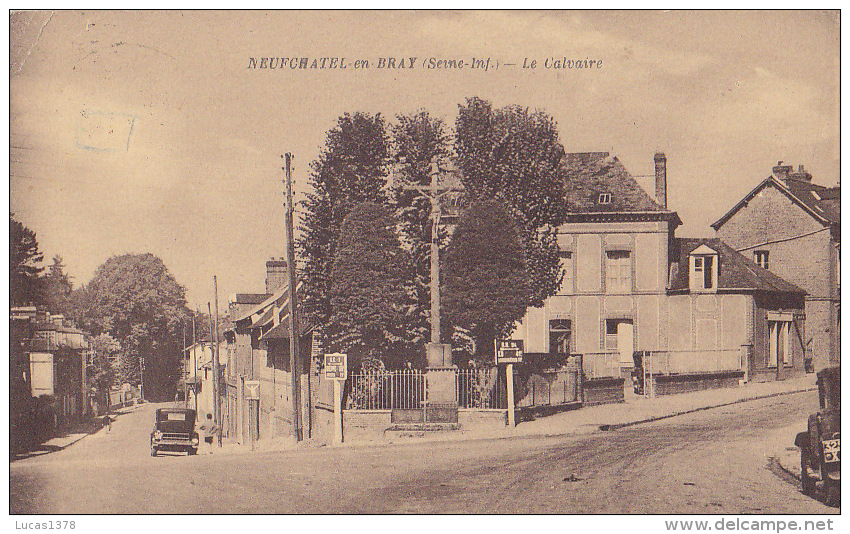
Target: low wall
(603, 391)
(369, 425)
(684, 383)
(479, 420)
(365, 425)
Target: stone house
(725, 312)
(51, 357)
(628, 290)
(792, 227)
(258, 351)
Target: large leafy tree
(371, 294)
(486, 285)
(24, 270)
(139, 303)
(352, 168)
(513, 154)
(102, 372)
(418, 143)
(58, 289)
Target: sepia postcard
(374, 263)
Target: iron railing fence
(481, 388)
(552, 388)
(386, 390)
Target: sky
(148, 132)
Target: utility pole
(185, 369)
(194, 364)
(434, 192)
(293, 308)
(216, 370)
(214, 366)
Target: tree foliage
(513, 154)
(24, 271)
(372, 295)
(101, 372)
(418, 142)
(58, 289)
(485, 280)
(135, 299)
(352, 168)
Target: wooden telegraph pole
(434, 192)
(293, 308)
(216, 369)
(214, 366)
(194, 364)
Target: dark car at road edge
(174, 430)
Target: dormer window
(761, 258)
(605, 198)
(704, 267)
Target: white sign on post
(336, 366)
(509, 351)
(336, 369)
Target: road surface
(713, 461)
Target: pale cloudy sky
(146, 131)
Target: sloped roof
(822, 203)
(737, 272)
(822, 199)
(588, 174)
(251, 298)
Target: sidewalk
(591, 419)
(72, 435)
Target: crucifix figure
(435, 192)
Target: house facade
(631, 288)
(50, 357)
(791, 226)
(259, 393)
(615, 254)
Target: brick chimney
(800, 175)
(782, 171)
(275, 275)
(661, 179)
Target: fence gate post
(337, 411)
(511, 408)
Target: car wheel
(192, 452)
(808, 481)
(831, 490)
(153, 451)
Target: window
(560, 333)
(566, 260)
(618, 271)
(703, 272)
(779, 343)
(761, 258)
(605, 198)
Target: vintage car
(174, 430)
(820, 445)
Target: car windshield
(175, 420)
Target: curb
(739, 401)
(788, 471)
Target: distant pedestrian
(107, 422)
(210, 430)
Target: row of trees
(365, 239)
(133, 307)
